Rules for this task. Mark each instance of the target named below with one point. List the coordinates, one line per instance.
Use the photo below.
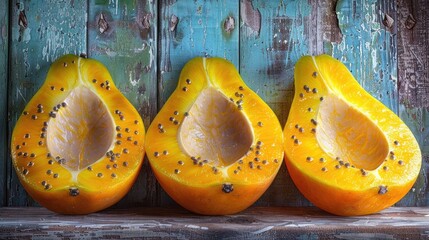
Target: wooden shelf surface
(254, 223)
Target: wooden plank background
(146, 43)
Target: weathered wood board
(413, 85)
(146, 43)
(254, 223)
(188, 29)
(4, 57)
(41, 31)
(123, 36)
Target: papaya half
(215, 146)
(345, 151)
(78, 145)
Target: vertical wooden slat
(123, 36)
(368, 47)
(273, 36)
(41, 31)
(413, 84)
(4, 60)
(189, 29)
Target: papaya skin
(186, 158)
(345, 151)
(78, 146)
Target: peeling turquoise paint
(267, 60)
(368, 48)
(198, 32)
(56, 30)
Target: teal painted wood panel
(272, 38)
(413, 85)
(368, 48)
(4, 57)
(188, 29)
(123, 36)
(194, 28)
(41, 31)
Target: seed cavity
(227, 187)
(309, 159)
(176, 171)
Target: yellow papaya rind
(205, 183)
(53, 189)
(350, 191)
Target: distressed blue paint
(199, 32)
(368, 49)
(4, 28)
(53, 28)
(128, 48)
(267, 63)
(267, 60)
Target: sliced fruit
(78, 145)
(345, 151)
(215, 146)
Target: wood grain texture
(413, 85)
(368, 48)
(4, 57)
(268, 53)
(41, 31)
(193, 28)
(255, 223)
(189, 29)
(123, 36)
